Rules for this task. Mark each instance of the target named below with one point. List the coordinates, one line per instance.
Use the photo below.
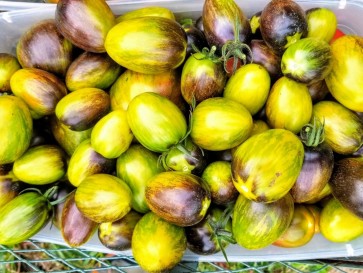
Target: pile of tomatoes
(162, 134)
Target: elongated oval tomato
(156, 244)
(220, 124)
(250, 86)
(156, 122)
(111, 136)
(16, 132)
(148, 44)
(288, 105)
(266, 166)
(345, 82)
(256, 225)
(343, 128)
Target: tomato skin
(202, 78)
(130, 84)
(156, 244)
(315, 173)
(338, 33)
(111, 135)
(256, 225)
(290, 116)
(146, 11)
(345, 81)
(219, 19)
(250, 86)
(202, 239)
(265, 166)
(118, 235)
(219, 179)
(103, 198)
(136, 166)
(156, 122)
(322, 23)
(178, 197)
(301, 229)
(343, 128)
(163, 44)
(338, 224)
(220, 124)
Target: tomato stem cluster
(313, 134)
(235, 48)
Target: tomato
(229, 65)
(19, 119)
(130, 84)
(118, 235)
(265, 166)
(202, 77)
(301, 229)
(146, 11)
(23, 217)
(178, 197)
(338, 33)
(50, 157)
(103, 198)
(86, 161)
(322, 23)
(136, 166)
(156, 122)
(111, 136)
(343, 128)
(204, 238)
(217, 175)
(308, 60)
(76, 228)
(156, 244)
(345, 82)
(220, 124)
(256, 225)
(250, 86)
(147, 44)
(288, 105)
(338, 224)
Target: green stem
(312, 134)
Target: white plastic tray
(349, 15)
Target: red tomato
(338, 33)
(229, 66)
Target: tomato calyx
(206, 53)
(312, 134)
(236, 49)
(218, 227)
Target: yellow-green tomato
(41, 165)
(111, 136)
(16, 128)
(86, 161)
(289, 105)
(250, 86)
(338, 224)
(259, 126)
(149, 44)
(220, 124)
(136, 166)
(156, 244)
(301, 229)
(322, 23)
(345, 81)
(146, 11)
(103, 198)
(8, 66)
(342, 127)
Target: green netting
(34, 256)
